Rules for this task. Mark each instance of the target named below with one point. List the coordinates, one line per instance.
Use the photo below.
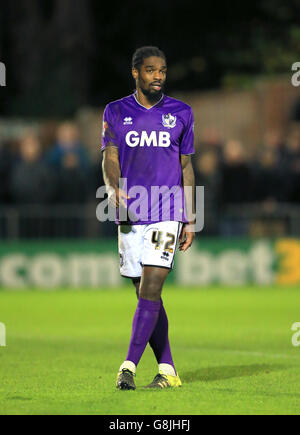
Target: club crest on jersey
(169, 121)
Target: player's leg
(150, 289)
(160, 343)
(130, 250)
(144, 322)
(161, 240)
(137, 282)
(152, 282)
(147, 312)
(159, 340)
(153, 279)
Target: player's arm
(111, 162)
(111, 175)
(111, 167)
(188, 179)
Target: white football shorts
(147, 245)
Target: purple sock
(159, 340)
(144, 322)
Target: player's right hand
(116, 197)
(187, 237)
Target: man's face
(151, 77)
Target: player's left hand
(186, 238)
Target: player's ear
(135, 73)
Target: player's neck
(144, 101)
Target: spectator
(72, 180)
(73, 189)
(236, 187)
(207, 175)
(273, 140)
(31, 182)
(270, 183)
(211, 141)
(67, 142)
(236, 175)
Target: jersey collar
(146, 108)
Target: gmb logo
(296, 75)
(156, 139)
(2, 74)
(296, 336)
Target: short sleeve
(109, 137)
(187, 140)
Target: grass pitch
(232, 348)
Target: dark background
(63, 54)
(231, 61)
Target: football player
(148, 140)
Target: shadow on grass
(209, 374)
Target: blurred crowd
(42, 169)
(49, 179)
(237, 179)
(36, 170)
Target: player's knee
(150, 294)
(151, 289)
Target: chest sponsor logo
(160, 139)
(169, 121)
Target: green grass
(232, 348)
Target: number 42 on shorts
(158, 240)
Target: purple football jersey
(150, 142)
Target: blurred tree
(69, 47)
(50, 50)
(26, 43)
(65, 53)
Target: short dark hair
(144, 52)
